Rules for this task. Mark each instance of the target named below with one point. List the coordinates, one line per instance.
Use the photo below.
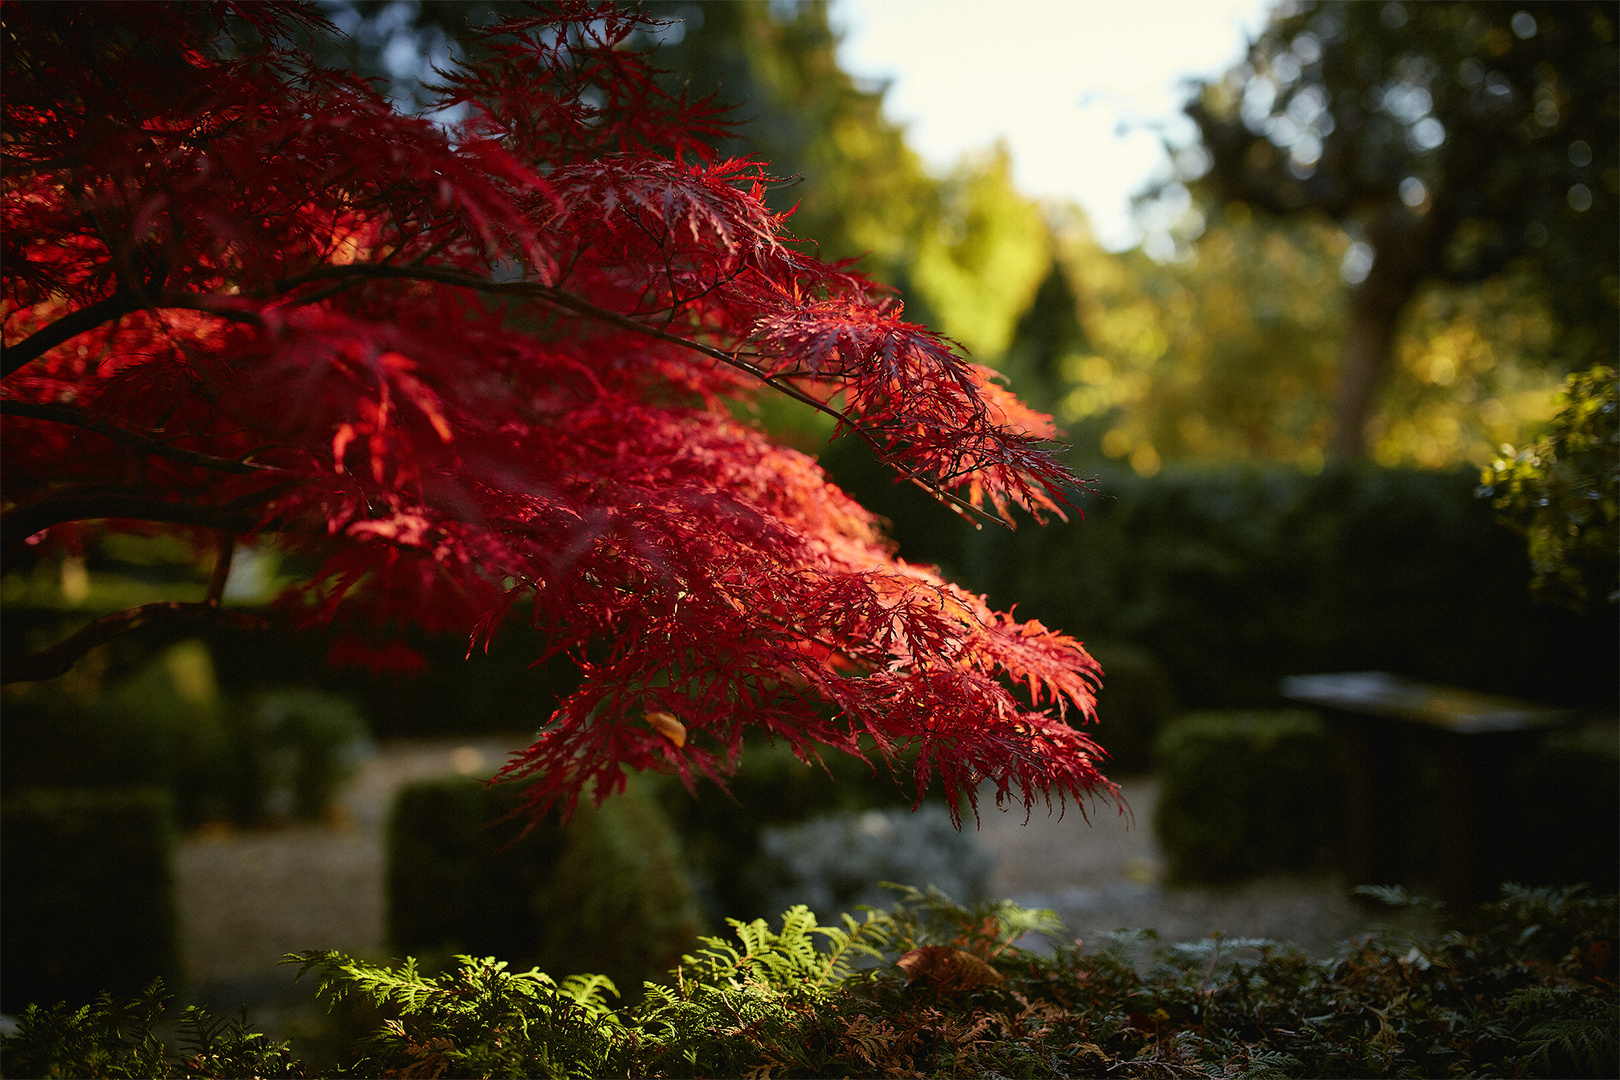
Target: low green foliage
(1525, 987)
(477, 1020)
(114, 1038)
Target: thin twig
(222, 569)
(59, 658)
(67, 414)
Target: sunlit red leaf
(484, 375)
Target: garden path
(248, 898)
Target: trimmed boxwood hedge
(87, 901)
(1244, 793)
(605, 892)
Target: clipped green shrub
(1246, 793)
(461, 878)
(87, 899)
(222, 758)
(1565, 821)
(605, 892)
(1136, 701)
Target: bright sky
(1083, 91)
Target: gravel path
(248, 898)
(1107, 874)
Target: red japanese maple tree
(486, 373)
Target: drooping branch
(66, 414)
(236, 516)
(59, 658)
(123, 302)
(66, 328)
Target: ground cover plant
(462, 377)
(1524, 987)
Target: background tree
(459, 375)
(1230, 352)
(1455, 141)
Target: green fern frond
(1576, 1031)
(586, 991)
(869, 938)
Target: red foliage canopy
(471, 371)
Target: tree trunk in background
(1373, 318)
(1375, 315)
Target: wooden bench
(1473, 738)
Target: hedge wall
(1229, 578)
(1236, 576)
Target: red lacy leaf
(485, 375)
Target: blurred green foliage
(1246, 793)
(605, 892)
(1563, 492)
(1455, 142)
(1233, 354)
(1233, 577)
(238, 758)
(87, 899)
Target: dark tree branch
(235, 517)
(222, 569)
(120, 303)
(67, 327)
(56, 660)
(66, 414)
